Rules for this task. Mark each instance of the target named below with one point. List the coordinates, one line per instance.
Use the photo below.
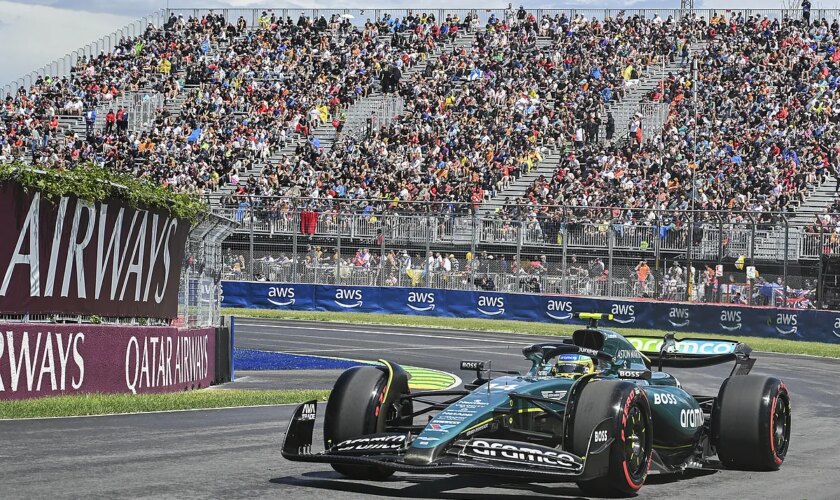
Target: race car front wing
(473, 456)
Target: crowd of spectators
(476, 118)
(767, 112)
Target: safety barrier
(793, 324)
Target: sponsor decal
(438, 427)
(392, 442)
(601, 436)
(568, 357)
(281, 295)
(70, 255)
(685, 346)
(691, 419)
(532, 455)
(730, 320)
(487, 303)
(588, 351)
(786, 323)
(49, 360)
(472, 365)
(640, 374)
(678, 317)
(439, 421)
(559, 309)
(628, 311)
(628, 354)
(836, 327)
(421, 301)
(477, 429)
(503, 386)
(343, 297)
(308, 412)
(555, 395)
(664, 399)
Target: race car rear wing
(672, 352)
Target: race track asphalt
(235, 453)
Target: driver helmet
(573, 366)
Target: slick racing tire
(353, 410)
(631, 430)
(751, 423)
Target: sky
(37, 32)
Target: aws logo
(559, 309)
(491, 306)
(628, 311)
(730, 320)
(678, 316)
(786, 323)
(421, 301)
(836, 327)
(281, 296)
(348, 298)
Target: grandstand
(692, 139)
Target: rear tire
(751, 423)
(632, 433)
(353, 411)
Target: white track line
(142, 412)
(380, 332)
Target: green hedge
(95, 184)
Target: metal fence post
(785, 263)
(473, 248)
(689, 281)
(429, 230)
(382, 262)
(519, 237)
(610, 251)
(251, 240)
(338, 247)
(563, 274)
(295, 229)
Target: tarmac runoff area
(235, 453)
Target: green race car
(595, 409)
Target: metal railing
(341, 242)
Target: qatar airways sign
(49, 360)
(71, 256)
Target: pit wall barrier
(39, 359)
(793, 324)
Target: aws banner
(817, 326)
(50, 360)
(74, 257)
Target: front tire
(751, 423)
(353, 411)
(632, 432)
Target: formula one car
(595, 409)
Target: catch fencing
(733, 258)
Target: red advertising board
(70, 256)
(50, 360)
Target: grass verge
(505, 326)
(108, 404)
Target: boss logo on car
(534, 455)
(601, 436)
(664, 399)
